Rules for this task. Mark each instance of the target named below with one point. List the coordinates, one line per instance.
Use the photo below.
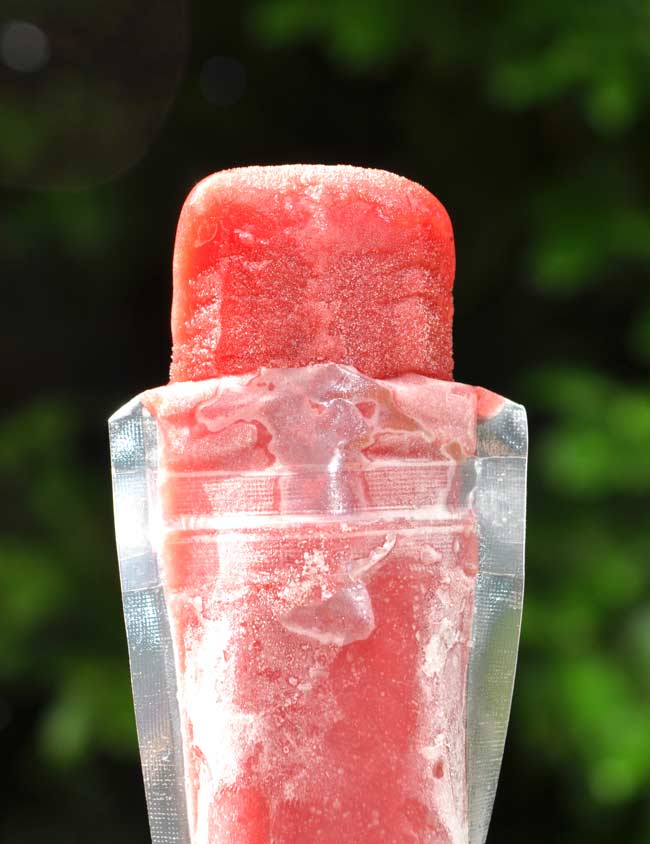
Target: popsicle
(311, 519)
(329, 730)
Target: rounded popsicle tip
(298, 264)
(376, 185)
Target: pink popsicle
(321, 616)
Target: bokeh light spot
(223, 80)
(24, 46)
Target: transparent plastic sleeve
(322, 579)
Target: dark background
(530, 120)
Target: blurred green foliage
(531, 121)
(57, 590)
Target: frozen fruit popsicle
(308, 490)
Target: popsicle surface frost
(302, 264)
